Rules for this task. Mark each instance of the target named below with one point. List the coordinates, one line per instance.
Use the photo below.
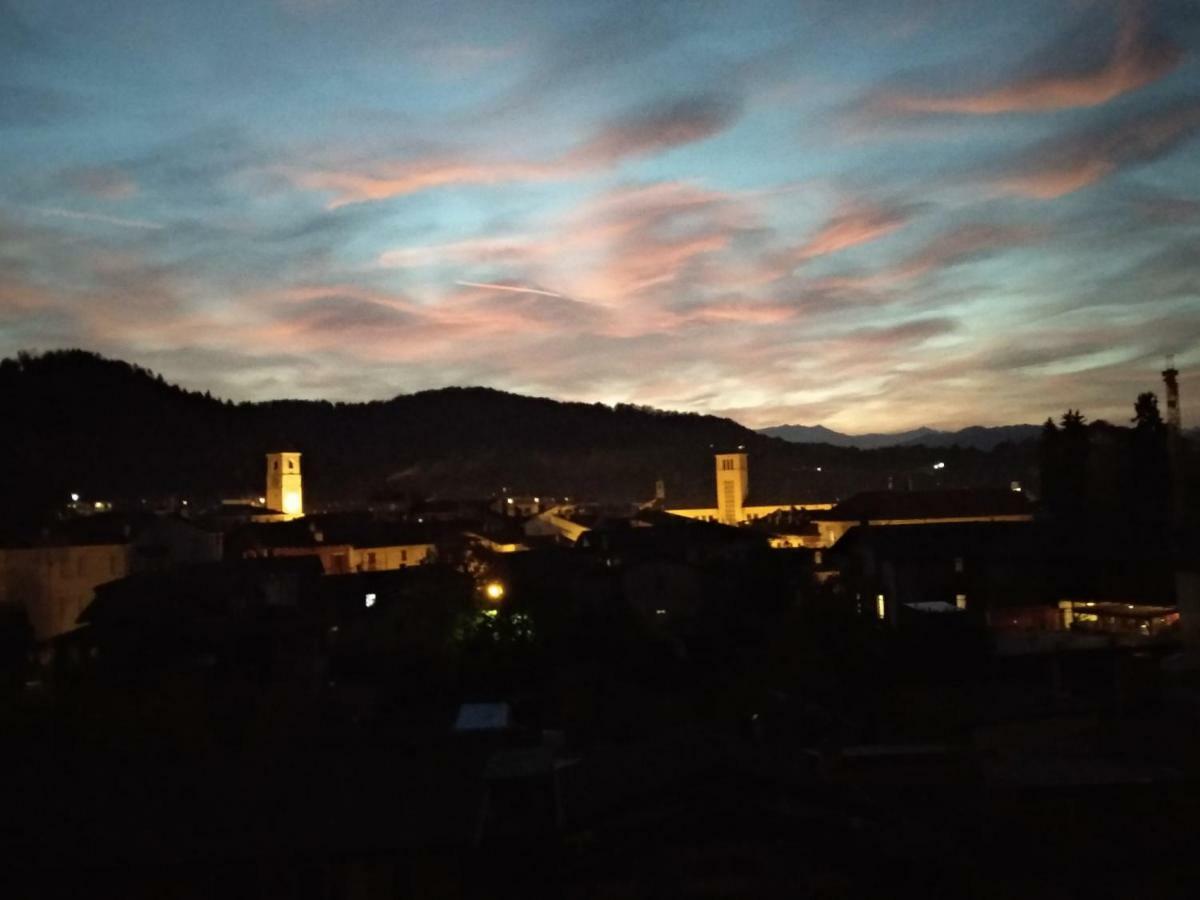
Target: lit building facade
(733, 489)
(733, 484)
(284, 490)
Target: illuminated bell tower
(283, 484)
(733, 483)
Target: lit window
(880, 607)
(960, 600)
(369, 600)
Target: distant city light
(74, 498)
(818, 468)
(939, 465)
(509, 500)
(262, 501)
(660, 612)
(880, 606)
(494, 591)
(184, 502)
(98, 505)
(369, 601)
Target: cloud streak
(645, 132)
(1066, 164)
(1137, 58)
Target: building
(1010, 575)
(53, 574)
(920, 508)
(734, 503)
(284, 490)
(733, 484)
(344, 544)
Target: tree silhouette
(1146, 416)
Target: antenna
(1170, 377)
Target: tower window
(291, 464)
(275, 465)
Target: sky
(870, 214)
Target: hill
(108, 429)
(978, 437)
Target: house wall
(372, 559)
(55, 584)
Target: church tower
(733, 483)
(283, 484)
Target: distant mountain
(819, 434)
(76, 422)
(977, 436)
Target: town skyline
(874, 216)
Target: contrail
(516, 289)
(94, 217)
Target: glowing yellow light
(291, 503)
(494, 591)
(880, 606)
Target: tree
(1146, 417)
(1149, 469)
(1073, 422)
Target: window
(727, 465)
(958, 564)
(275, 465)
(960, 600)
(291, 464)
(403, 556)
(880, 607)
(371, 560)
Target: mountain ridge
(107, 429)
(979, 437)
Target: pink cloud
(644, 133)
(1064, 165)
(1137, 59)
(102, 182)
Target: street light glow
(494, 591)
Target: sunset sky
(871, 214)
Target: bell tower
(284, 492)
(733, 483)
